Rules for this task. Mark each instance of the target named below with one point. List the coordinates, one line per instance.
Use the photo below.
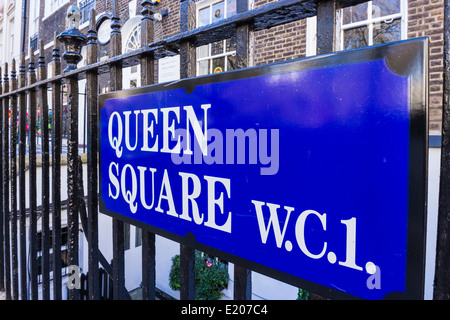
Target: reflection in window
(64, 253)
(126, 236)
(371, 23)
(355, 13)
(215, 11)
(387, 32)
(216, 57)
(138, 237)
(356, 38)
(134, 40)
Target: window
(128, 236)
(138, 237)
(134, 40)
(1, 46)
(12, 45)
(34, 23)
(53, 5)
(11, 40)
(373, 22)
(131, 74)
(213, 11)
(218, 56)
(85, 7)
(64, 253)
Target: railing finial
(92, 32)
(72, 39)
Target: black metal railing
(30, 90)
(18, 179)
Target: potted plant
(211, 276)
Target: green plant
(211, 276)
(302, 294)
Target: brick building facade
(405, 20)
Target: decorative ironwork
(72, 39)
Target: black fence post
(118, 227)
(92, 92)
(72, 175)
(56, 171)
(442, 275)
(188, 69)
(32, 179)
(6, 213)
(22, 174)
(13, 157)
(45, 174)
(242, 276)
(148, 77)
(326, 43)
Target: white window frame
(9, 55)
(2, 46)
(86, 22)
(131, 74)
(209, 3)
(51, 6)
(201, 5)
(371, 21)
(33, 27)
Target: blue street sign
(312, 171)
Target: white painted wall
(434, 162)
(10, 24)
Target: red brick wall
(285, 42)
(425, 19)
(279, 43)
(170, 25)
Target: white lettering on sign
(119, 129)
(270, 216)
(130, 183)
(161, 130)
(151, 189)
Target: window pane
(218, 65)
(202, 51)
(138, 237)
(231, 8)
(126, 236)
(134, 41)
(387, 32)
(64, 258)
(203, 67)
(217, 47)
(355, 13)
(218, 11)
(64, 236)
(385, 7)
(231, 44)
(204, 17)
(356, 38)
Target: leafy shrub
(211, 276)
(302, 294)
